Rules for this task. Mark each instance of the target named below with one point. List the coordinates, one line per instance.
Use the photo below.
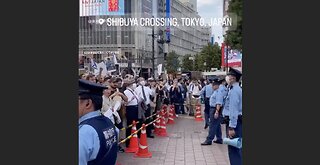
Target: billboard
(101, 7)
(212, 40)
(234, 57)
(168, 5)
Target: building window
(97, 58)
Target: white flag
(115, 61)
(159, 69)
(93, 64)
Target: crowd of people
(127, 99)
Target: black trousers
(131, 115)
(147, 114)
(235, 154)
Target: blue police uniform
(205, 93)
(214, 126)
(98, 139)
(233, 111)
(223, 89)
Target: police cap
(89, 88)
(235, 73)
(215, 82)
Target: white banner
(159, 69)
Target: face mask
(134, 86)
(228, 79)
(143, 83)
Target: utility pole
(140, 56)
(227, 57)
(194, 60)
(153, 50)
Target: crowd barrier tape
(129, 126)
(127, 138)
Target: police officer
(224, 90)
(205, 94)
(233, 113)
(98, 141)
(216, 101)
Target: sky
(212, 9)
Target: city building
(191, 4)
(187, 39)
(132, 45)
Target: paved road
(181, 147)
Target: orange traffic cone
(198, 116)
(134, 144)
(143, 145)
(173, 111)
(156, 126)
(170, 118)
(159, 121)
(164, 108)
(163, 128)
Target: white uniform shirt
(147, 91)
(131, 95)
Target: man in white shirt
(194, 91)
(145, 93)
(132, 111)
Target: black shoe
(150, 136)
(206, 126)
(218, 141)
(121, 149)
(206, 143)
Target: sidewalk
(181, 147)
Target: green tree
(172, 62)
(216, 57)
(199, 61)
(187, 64)
(234, 37)
(209, 57)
